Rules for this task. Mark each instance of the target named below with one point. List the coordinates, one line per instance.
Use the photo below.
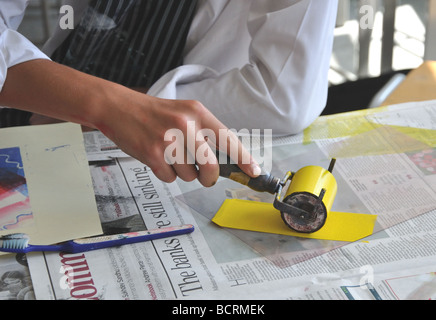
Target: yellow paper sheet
(263, 217)
(50, 189)
(365, 137)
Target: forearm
(47, 88)
(136, 122)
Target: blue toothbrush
(19, 242)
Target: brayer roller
(307, 200)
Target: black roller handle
(265, 182)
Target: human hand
(143, 126)
(136, 122)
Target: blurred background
(374, 40)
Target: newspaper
(15, 280)
(396, 262)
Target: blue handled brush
(19, 242)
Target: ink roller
(307, 200)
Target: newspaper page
(398, 265)
(130, 198)
(396, 262)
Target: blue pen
(19, 242)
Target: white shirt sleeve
(281, 79)
(14, 47)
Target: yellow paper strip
(263, 217)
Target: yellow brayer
(308, 199)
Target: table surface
(419, 85)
